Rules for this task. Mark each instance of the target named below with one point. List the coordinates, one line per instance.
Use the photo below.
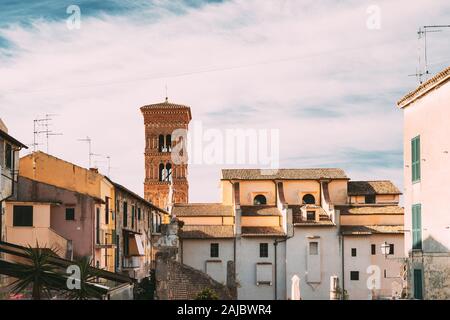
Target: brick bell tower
(160, 121)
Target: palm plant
(38, 273)
(87, 288)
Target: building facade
(49, 170)
(137, 230)
(166, 126)
(426, 148)
(288, 234)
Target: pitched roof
(167, 105)
(201, 209)
(371, 187)
(11, 139)
(361, 230)
(372, 209)
(432, 83)
(262, 232)
(283, 174)
(206, 232)
(261, 210)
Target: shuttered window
(23, 216)
(417, 226)
(415, 159)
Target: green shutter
(415, 159)
(418, 284)
(417, 226)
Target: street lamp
(385, 249)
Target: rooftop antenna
(423, 71)
(89, 141)
(167, 95)
(37, 130)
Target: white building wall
(196, 253)
(246, 264)
(297, 261)
(373, 266)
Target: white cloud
(274, 57)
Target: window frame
(416, 226)
(263, 250)
(354, 275)
(214, 250)
(18, 220)
(262, 202)
(415, 159)
(73, 210)
(354, 252)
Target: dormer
(373, 192)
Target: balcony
(105, 239)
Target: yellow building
(47, 169)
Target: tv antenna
(422, 71)
(42, 126)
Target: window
(415, 159)
(133, 213)
(353, 252)
(313, 248)
(311, 215)
(126, 243)
(263, 250)
(97, 225)
(354, 275)
(308, 199)
(169, 143)
(106, 210)
(417, 226)
(161, 143)
(418, 284)
(391, 248)
(214, 250)
(162, 172)
(168, 172)
(259, 200)
(70, 213)
(373, 249)
(139, 214)
(125, 214)
(8, 156)
(23, 216)
(370, 198)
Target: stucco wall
(372, 219)
(295, 190)
(249, 189)
(196, 253)
(296, 261)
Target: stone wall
(176, 281)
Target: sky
(325, 74)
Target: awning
(140, 247)
(135, 246)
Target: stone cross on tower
(161, 120)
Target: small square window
(391, 248)
(370, 198)
(373, 249)
(263, 250)
(214, 250)
(354, 275)
(23, 216)
(70, 213)
(313, 248)
(353, 252)
(311, 215)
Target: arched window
(308, 199)
(161, 172)
(259, 199)
(161, 143)
(169, 172)
(169, 142)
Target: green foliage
(207, 294)
(87, 290)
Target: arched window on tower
(259, 200)
(308, 199)
(169, 143)
(161, 172)
(161, 143)
(169, 172)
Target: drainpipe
(343, 269)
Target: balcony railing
(105, 238)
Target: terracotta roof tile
(206, 232)
(360, 230)
(373, 209)
(425, 87)
(202, 209)
(372, 187)
(262, 231)
(260, 211)
(283, 174)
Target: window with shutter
(417, 226)
(415, 159)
